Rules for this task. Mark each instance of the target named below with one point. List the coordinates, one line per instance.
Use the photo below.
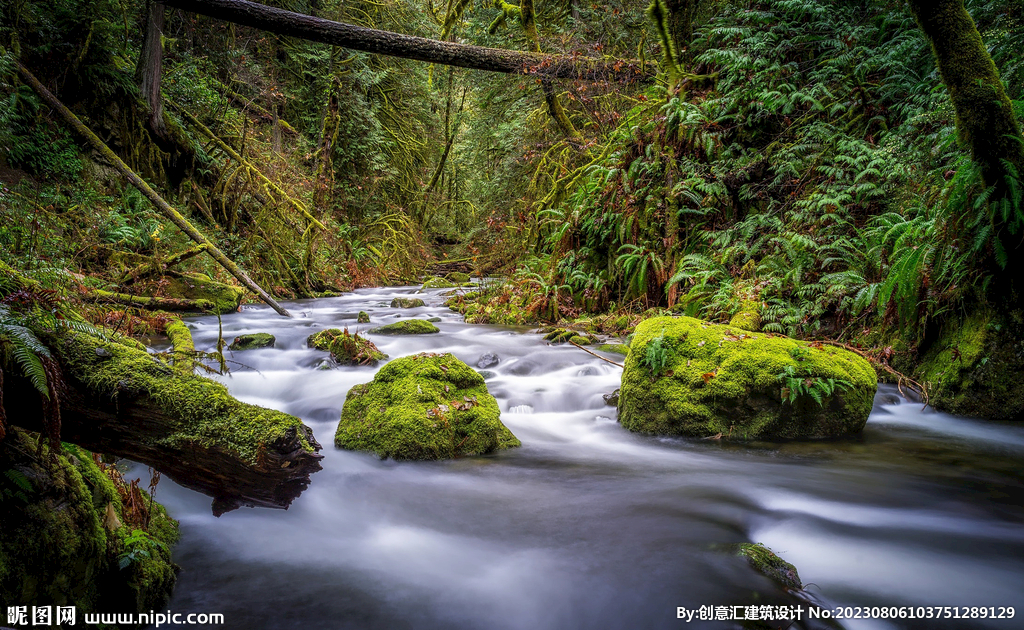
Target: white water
(588, 525)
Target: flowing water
(588, 525)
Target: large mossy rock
(687, 377)
(346, 348)
(407, 327)
(253, 341)
(427, 406)
(223, 298)
(65, 528)
(975, 366)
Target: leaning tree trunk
(418, 48)
(985, 120)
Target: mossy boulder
(580, 340)
(427, 406)
(748, 317)
(766, 562)
(458, 277)
(253, 341)
(222, 298)
(400, 302)
(407, 327)
(65, 529)
(687, 377)
(974, 367)
(363, 317)
(346, 348)
(437, 283)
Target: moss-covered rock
(614, 348)
(974, 367)
(65, 530)
(346, 348)
(363, 317)
(458, 277)
(558, 335)
(223, 298)
(688, 377)
(438, 283)
(400, 302)
(748, 317)
(580, 340)
(766, 562)
(407, 327)
(253, 341)
(426, 406)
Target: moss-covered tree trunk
(149, 68)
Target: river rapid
(587, 525)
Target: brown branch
(900, 377)
(598, 356)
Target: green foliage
(657, 354)
(139, 546)
(815, 387)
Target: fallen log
(119, 400)
(370, 40)
(149, 303)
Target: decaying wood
(370, 40)
(162, 206)
(149, 303)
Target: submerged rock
(427, 406)
(400, 302)
(688, 377)
(434, 320)
(766, 562)
(407, 327)
(363, 317)
(346, 348)
(487, 360)
(253, 341)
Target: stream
(588, 525)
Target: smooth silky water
(588, 525)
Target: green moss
(438, 283)
(614, 348)
(688, 377)
(748, 317)
(205, 415)
(184, 348)
(58, 548)
(558, 335)
(426, 406)
(973, 368)
(407, 327)
(400, 302)
(253, 341)
(223, 298)
(579, 340)
(458, 277)
(345, 347)
(765, 561)
(363, 317)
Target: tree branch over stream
(380, 42)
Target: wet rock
(612, 399)
(437, 283)
(433, 320)
(487, 374)
(614, 348)
(687, 377)
(458, 277)
(765, 561)
(487, 360)
(363, 317)
(253, 341)
(427, 406)
(400, 302)
(346, 348)
(407, 327)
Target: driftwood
(162, 206)
(118, 400)
(370, 40)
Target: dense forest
(839, 180)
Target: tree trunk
(148, 70)
(118, 400)
(418, 48)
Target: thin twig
(598, 356)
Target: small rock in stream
(487, 360)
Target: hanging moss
(426, 406)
